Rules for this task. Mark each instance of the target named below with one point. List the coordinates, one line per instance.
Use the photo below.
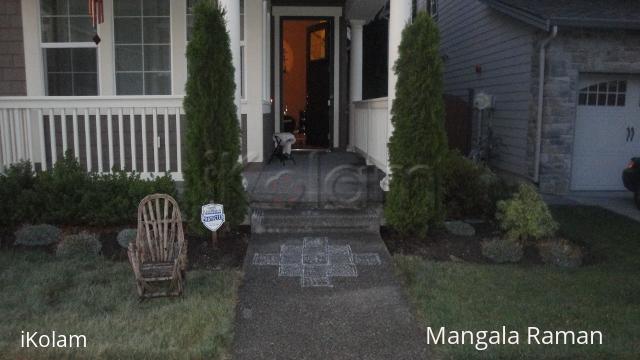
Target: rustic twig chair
(159, 253)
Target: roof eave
(524, 16)
(596, 23)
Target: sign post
(212, 217)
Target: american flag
(96, 11)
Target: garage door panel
(601, 174)
(608, 108)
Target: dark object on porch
(458, 114)
(159, 252)
(282, 147)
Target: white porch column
(355, 71)
(232, 8)
(399, 17)
(356, 59)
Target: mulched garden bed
(228, 254)
(439, 245)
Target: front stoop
(265, 221)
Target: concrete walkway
(319, 284)
(620, 202)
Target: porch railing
(370, 129)
(130, 133)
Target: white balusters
(178, 142)
(121, 138)
(4, 138)
(29, 134)
(99, 139)
(46, 130)
(63, 122)
(52, 137)
(43, 149)
(110, 138)
(18, 131)
(145, 168)
(167, 148)
(132, 127)
(87, 138)
(76, 135)
(156, 167)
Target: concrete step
(270, 221)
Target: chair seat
(157, 271)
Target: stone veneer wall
(12, 72)
(572, 53)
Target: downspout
(543, 55)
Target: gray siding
(12, 73)
(473, 34)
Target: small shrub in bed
(68, 195)
(37, 235)
(502, 250)
(560, 252)
(79, 245)
(126, 236)
(526, 216)
(471, 190)
(17, 196)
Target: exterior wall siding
(571, 54)
(473, 34)
(12, 72)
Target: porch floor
(317, 180)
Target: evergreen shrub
(418, 145)
(213, 171)
(526, 216)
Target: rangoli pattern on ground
(316, 262)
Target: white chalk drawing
(316, 262)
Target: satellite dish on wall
(482, 101)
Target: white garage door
(607, 131)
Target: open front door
(319, 122)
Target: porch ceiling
(363, 9)
(307, 2)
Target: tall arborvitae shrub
(212, 170)
(418, 145)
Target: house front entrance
(306, 75)
(306, 68)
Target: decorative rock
(502, 250)
(460, 228)
(126, 236)
(560, 252)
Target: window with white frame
(142, 36)
(190, 5)
(612, 93)
(69, 53)
(433, 8)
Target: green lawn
(97, 299)
(604, 296)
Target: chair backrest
(160, 234)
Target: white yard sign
(212, 216)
